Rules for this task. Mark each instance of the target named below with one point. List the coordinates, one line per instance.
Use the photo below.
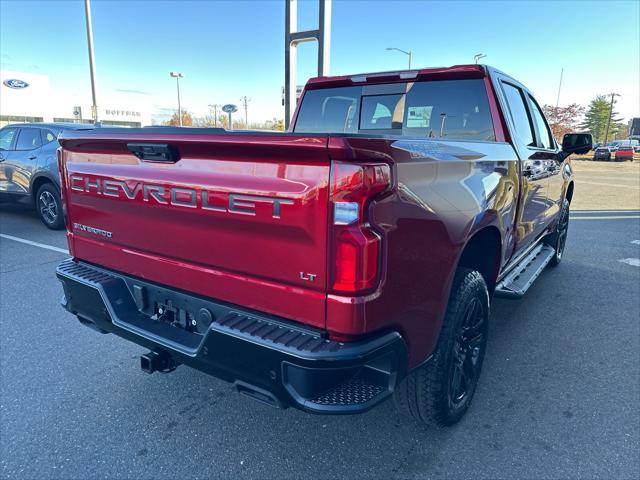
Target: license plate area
(169, 316)
(174, 309)
(167, 312)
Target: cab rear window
(446, 109)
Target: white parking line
(590, 176)
(616, 185)
(591, 212)
(635, 242)
(631, 261)
(612, 217)
(35, 244)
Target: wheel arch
(482, 252)
(569, 194)
(40, 180)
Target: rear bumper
(278, 362)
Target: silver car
(29, 168)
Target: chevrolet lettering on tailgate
(177, 196)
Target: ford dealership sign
(15, 83)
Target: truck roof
(441, 73)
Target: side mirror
(577, 143)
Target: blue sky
(230, 49)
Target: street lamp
(178, 76)
(477, 57)
(402, 51)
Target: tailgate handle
(154, 152)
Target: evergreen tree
(596, 117)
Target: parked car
(602, 154)
(331, 266)
(29, 169)
(613, 146)
(635, 144)
(624, 152)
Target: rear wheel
(49, 206)
(440, 391)
(558, 239)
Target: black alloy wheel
(468, 353)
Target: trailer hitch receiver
(157, 362)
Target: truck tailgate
(237, 217)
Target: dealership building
(28, 97)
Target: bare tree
(187, 120)
(563, 120)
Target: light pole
(402, 51)
(606, 132)
(477, 57)
(92, 67)
(178, 76)
(559, 87)
(215, 113)
(245, 101)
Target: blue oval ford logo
(229, 108)
(15, 83)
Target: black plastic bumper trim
(283, 363)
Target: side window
(28, 139)
(519, 113)
(6, 138)
(47, 136)
(545, 140)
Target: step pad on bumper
(277, 334)
(357, 391)
(78, 271)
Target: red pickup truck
(331, 266)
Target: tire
(558, 238)
(440, 392)
(49, 206)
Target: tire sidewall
(554, 238)
(58, 223)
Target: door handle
(33, 157)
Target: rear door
(22, 161)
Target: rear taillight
(356, 246)
(63, 188)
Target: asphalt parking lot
(559, 396)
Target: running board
(518, 281)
